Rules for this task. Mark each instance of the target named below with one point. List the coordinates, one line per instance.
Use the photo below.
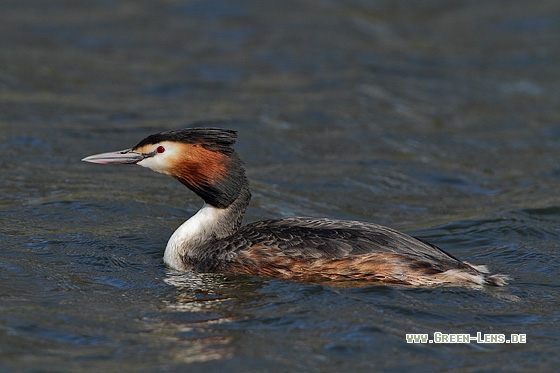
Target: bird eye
(160, 149)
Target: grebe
(299, 248)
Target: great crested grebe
(299, 248)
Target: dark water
(440, 118)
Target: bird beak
(121, 157)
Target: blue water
(436, 118)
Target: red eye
(160, 149)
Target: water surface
(439, 118)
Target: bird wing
(312, 238)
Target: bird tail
(486, 278)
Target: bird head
(201, 158)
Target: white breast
(191, 234)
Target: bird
(298, 249)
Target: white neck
(205, 225)
(192, 241)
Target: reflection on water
(194, 316)
(435, 118)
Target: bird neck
(192, 240)
(216, 177)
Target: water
(439, 118)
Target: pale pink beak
(121, 157)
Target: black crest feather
(217, 139)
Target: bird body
(299, 248)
